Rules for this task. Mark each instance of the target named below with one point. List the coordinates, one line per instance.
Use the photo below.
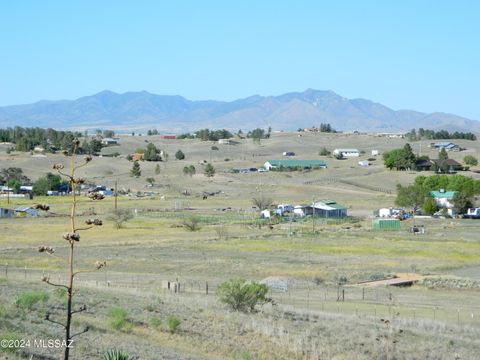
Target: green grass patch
(27, 300)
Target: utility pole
(313, 215)
(115, 197)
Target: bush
(173, 323)
(115, 354)
(27, 299)
(324, 152)
(155, 322)
(120, 217)
(179, 155)
(470, 160)
(192, 223)
(118, 318)
(242, 295)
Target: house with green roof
(326, 209)
(444, 199)
(295, 164)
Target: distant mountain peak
(174, 113)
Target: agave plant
(116, 354)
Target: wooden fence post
(206, 287)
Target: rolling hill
(143, 110)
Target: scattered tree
(179, 155)
(430, 206)
(150, 181)
(192, 223)
(242, 295)
(157, 169)
(262, 201)
(462, 201)
(189, 170)
(151, 153)
(136, 172)
(470, 160)
(209, 170)
(120, 217)
(412, 196)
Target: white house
(109, 141)
(346, 152)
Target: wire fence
(301, 296)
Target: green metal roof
(298, 163)
(445, 194)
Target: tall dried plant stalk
(73, 237)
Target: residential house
(449, 146)
(448, 165)
(326, 209)
(424, 165)
(295, 164)
(26, 211)
(346, 152)
(444, 199)
(109, 141)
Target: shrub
(192, 223)
(173, 323)
(470, 160)
(120, 217)
(10, 337)
(27, 299)
(242, 295)
(115, 354)
(209, 170)
(155, 322)
(324, 152)
(118, 318)
(179, 155)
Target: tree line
(422, 134)
(418, 195)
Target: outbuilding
(6, 213)
(26, 211)
(326, 209)
(346, 152)
(295, 164)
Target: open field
(440, 322)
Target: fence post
(363, 293)
(6, 270)
(458, 316)
(25, 272)
(206, 287)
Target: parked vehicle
(284, 208)
(472, 213)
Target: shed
(386, 224)
(6, 213)
(292, 164)
(26, 211)
(326, 209)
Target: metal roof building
(290, 163)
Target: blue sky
(421, 55)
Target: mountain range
(174, 114)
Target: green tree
(430, 206)
(443, 155)
(136, 172)
(48, 182)
(179, 155)
(209, 170)
(150, 181)
(412, 196)
(189, 170)
(470, 160)
(462, 201)
(152, 153)
(14, 185)
(242, 295)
